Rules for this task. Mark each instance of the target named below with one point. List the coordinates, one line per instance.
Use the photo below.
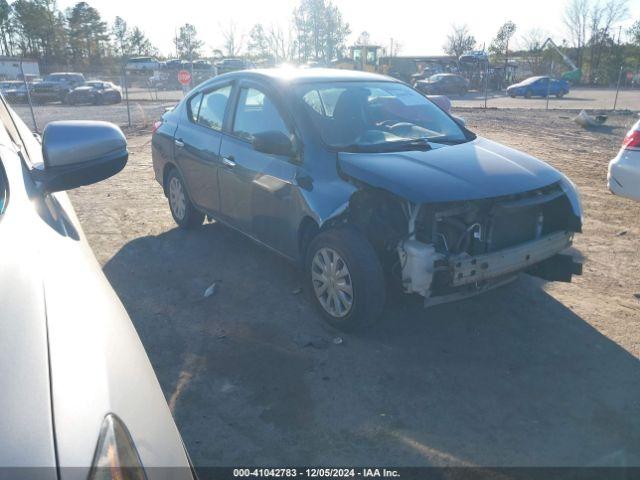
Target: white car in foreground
(78, 394)
(624, 170)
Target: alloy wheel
(332, 282)
(177, 198)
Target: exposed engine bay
(447, 251)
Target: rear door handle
(229, 161)
(178, 143)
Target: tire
(559, 94)
(528, 94)
(512, 96)
(182, 210)
(360, 295)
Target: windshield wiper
(416, 144)
(449, 141)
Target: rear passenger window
(212, 108)
(256, 113)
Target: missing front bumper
(467, 270)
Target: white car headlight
(116, 457)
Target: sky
(419, 26)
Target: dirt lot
(533, 374)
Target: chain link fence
(146, 95)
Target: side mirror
(274, 143)
(78, 153)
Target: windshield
(361, 115)
(55, 78)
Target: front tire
(184, 213)
(345, 279)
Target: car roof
(283, 75)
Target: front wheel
(345, 279)
(182, 210)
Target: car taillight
(156, 126)
(632, 140)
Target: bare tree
(602, 18)
(459, 41)
(576, 18)
(233, 39)
(531, 42)
(590, 23)
(282, 43)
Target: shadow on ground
(509, 378)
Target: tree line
(595, 42)
(79, 37)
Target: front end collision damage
(447, 251)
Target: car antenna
(26, 86)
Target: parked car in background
(96, 92)
(232, 64)
(539, 87)
(14, 91)
(443, 84)
(174, 64)
(366, 184)
(77, 387)
(56, 86)
(142, 64)
(624, 170)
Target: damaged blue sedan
(367, 184)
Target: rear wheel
(345, 279)
(182, 210)
(559, 94)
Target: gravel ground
(533, 374)
(143, 114)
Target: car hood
(469, 171)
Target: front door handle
(229, 161)
(178, 143)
